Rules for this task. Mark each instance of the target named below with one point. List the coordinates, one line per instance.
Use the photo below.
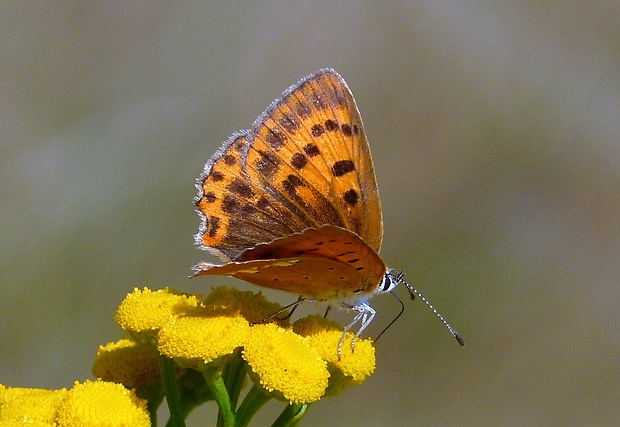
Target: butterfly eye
(388, 283)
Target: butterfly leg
(365, 315)
(327, 311)
(293, 306)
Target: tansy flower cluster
(93, 403)
(190, 350)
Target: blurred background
(495, 132)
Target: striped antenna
(400, 278)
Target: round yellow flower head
(127, 362)
(325, 335)
(253, 306)
(143, 313)
(30, 406)
(285, 364)
(202, 335)
(100, 403)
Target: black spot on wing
(342, 167)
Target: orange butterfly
(292, 203)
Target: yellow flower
(90, 404)
(253, 306)
(143, 313)
(100, 403)
(202, 335)
(325, 336)
(30, 406)
(285, 364)
(127, 362)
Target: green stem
(234, 377)
(252, 402)
(291, 415)
(154, 396)
(226, 416)
(152, 405)
(169, 382)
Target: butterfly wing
(323, 263)
(304, 163)
(235, 211)
(310, 150)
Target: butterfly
(292, 203)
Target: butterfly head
(391, 279)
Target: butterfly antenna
(400, 277)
